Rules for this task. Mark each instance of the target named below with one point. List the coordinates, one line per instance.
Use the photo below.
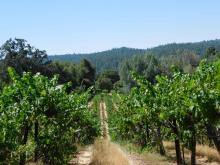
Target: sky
(83, 26)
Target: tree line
(111, 59)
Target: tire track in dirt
(83, 157)
(108, 153)
(104, 121)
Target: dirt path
(135, 159)
(104, 152)
(107, 153)
(104, 121)
(83, 157)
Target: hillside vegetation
(49, 110)
(111, 59)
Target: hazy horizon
(63, 27)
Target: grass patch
(201, 151)
(147, 154)
(211, 153)
(107, 153)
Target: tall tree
(22, 56)
(86, 73)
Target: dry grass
(107, 153)
(201, 150)
(139, 157)
(169, 145)
(157, 159)
(210, 153)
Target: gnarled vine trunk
(36, 127)
(179, 159)
(160, 142)
(193, 147)
(24, 141)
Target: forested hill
(199, 48)
(111, 59)
(105, 60)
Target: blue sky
(73, 26)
